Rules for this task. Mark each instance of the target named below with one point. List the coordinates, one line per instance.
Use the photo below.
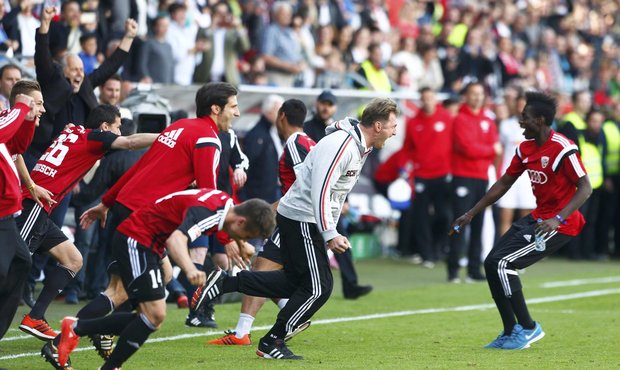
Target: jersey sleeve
(22, 139)
(198, 220)
(206, 161)
(572, 167)
(100, 141)
(11, 121)
(516, 166)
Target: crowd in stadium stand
(563, 47)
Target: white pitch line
(477, 307)
(576, 282)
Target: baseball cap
(327, 96)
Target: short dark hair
(174, 7)
(541, 105)
(470, 85)
(100, 114)
(7, 67)
(379, 109)
(87, 36)
(593, 111)
(425, 89)
(115, 77)
(577, 93)
(295, 111)
(213, 93)
(23, 87)
(259, 216)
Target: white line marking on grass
(476, 307)
(576, 282)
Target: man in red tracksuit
(27, 106)
(429, 141)
(475, 146)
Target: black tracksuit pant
(306, 278)
(466, 193)
(12, 285)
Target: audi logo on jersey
(537, 177)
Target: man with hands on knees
(560, 185)
(307, 217)
(138, 247)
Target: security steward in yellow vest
(373, 72)
(590, 140)
(609, 210)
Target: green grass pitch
(412, 320)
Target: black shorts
(271, 248)
(37, 229)
(139, 269)
(117, 214)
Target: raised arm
(111, 65)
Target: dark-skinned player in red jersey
(138, 246)
(560, 185)
(289, 123)
(60, 168)
(186, 151)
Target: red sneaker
(230, 339)
(40, 329)
(182, 301)
(68, 339)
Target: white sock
(244, 325)
(282, 302)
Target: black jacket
(231, 157)
(315, 128)
(61, 104)
(263, 173)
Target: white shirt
(218, 67)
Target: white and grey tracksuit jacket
(326, 177)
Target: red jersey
(194, 212)
(428, 140)
(554, 169)
(74, 152)
(297, 147)
(473, 137)
(11, 121)
(187, 150)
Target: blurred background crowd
(425, 52)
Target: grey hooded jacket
(326, 177)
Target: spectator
(431, 75)
(223, 42)
(182, 34)
(8, 31)
(88, 43)
(428, 141)
(590, 142)
(474, 64)
(263, 147)
(26, 25)
(156, 55)
(372, 72)
(65, 34)
(281, 49)
(325, 108)
(9, 75)
(519, 198)
(475, 147)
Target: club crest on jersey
(544, 161)
(485, 125)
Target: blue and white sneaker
(522, 338)
(498, 342)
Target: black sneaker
(358, 291)
(200, 320)
(50, 353)
(210, 291)
(276, 351)
(103, 345)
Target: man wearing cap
(315, 128)
(325, 109)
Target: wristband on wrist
(31, 186)
(561, 219)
